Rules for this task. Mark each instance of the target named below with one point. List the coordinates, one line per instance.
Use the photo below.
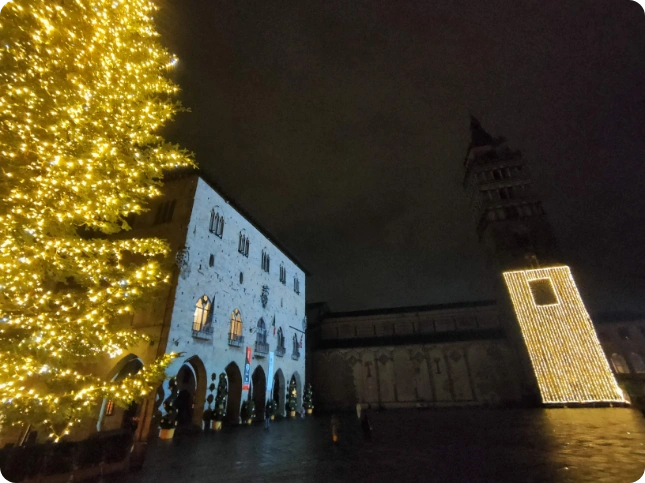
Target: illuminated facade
(567, 359)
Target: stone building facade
(233, 289)
(430, 356)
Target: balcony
(235, 340)
(280, 351)
(295, 355)
(204, 333)
(261, 349)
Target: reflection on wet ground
(467, 445)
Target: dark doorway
(279, 391)
(186, 398)
(259, 391)
(234, 377)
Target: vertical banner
(247, 371)
(270, 376)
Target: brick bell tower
(511, 223)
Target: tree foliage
(83, 92)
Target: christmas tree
(308, 398)
(83, 91)
(169, 420)
(292, 400)
(220, 399)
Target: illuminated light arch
(567, 359)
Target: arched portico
(191, 382)
(110, 415)
(279, 391)
(259, 391)
(296, 376)
(234, 377)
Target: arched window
(296, 285)
(266, 260)
(203, 314)
(283, 274)
(619, 363)
(216, 225)
(243, 244)
(235, 333)
(262, 331)
(281, 340)
(637, 363)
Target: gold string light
(568, 361)
(83, 92)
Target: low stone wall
(103, 453)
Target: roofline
(416, 308)
(185, 173)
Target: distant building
(234, 290)
(505, 352)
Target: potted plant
(248, 411)
(272, 406)
(209, 413)
(292, 399)
(169, 420)
(220, 403)
(308, 399)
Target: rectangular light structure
(568, 361)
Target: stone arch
(279, 391)
(192, 381)
(234, 377)
(259, 381)
(119, 417)
(296, 376)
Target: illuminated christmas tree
(83, 91)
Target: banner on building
(270, 375)
(247, 371)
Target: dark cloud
(342, 126)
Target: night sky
(342, 126)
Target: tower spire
(479, 136)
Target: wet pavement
(467, 445)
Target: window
(637, 363)
(497, 174)
(211, 260)
(216, 225)
(165, 212)
(235, 333)
(261, 344)
(283, 274)
(203, 314)
(241, 277)
(296, 285)
(619, 363)
(243, 245)
(542, 291)
(266, 261)
(280, 348)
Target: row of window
(516, 211)
(499, 174)
(620, 364)
(216, 227)
(505, 193)
(203, 328)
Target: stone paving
(469, 445)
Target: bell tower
(510, 220)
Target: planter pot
(309, 411)
(167, 433)
(216, 425)
(249, 422)
(292, 414)
(272, 417)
